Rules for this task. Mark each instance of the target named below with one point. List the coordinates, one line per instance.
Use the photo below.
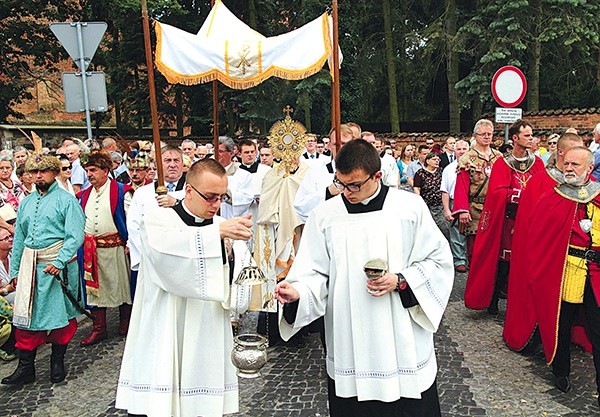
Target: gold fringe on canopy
(227, 50)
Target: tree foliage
(437, 58)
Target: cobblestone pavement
(478, 376)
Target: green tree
(29, 51)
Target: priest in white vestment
(380, 353)
(177, 355)
(240, 191)
(278, 231)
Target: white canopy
(228, 50)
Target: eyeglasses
(552, 143)
(485, 135)
(211, 200)
(353, 188)
(9, 237)
(67, 168)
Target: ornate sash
(26, 281)
(90, 257)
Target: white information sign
(508, 115)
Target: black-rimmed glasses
(67, 168)
(353, 188)
(213, 199)
(9, 237)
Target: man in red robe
(491, 253)
(520, 323)
(565, 268)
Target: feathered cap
(141, 161)
(39, 162)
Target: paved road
(478, 376)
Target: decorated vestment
(567, 225)
(520, 322)
(45, 221)
(105, 263)
(177, 355)
(494, 234)
(277, 228)
(472, 184)
(376, 348)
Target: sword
(70, 296)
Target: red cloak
(520, 322)
(486, 251)
(556, 218)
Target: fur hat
(39, 162)
(98, 159)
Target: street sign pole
(80, 40)
(86, 99)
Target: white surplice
(177, 355)
(144, 199)
(390, 171)
(239, 185)
(312, 190)
(376, 348)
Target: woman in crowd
(151, 176)
(7, 297)
(64, 176)
(26, 179)
(427, 184)
(552, 141)
(406, 157)
(20, 155)
(12, 193)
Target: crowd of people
(84, 228)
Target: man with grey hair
(109, 144)
(188, 147)
(520, 323)
(564, 254)
(474, 170)
(201, 152)
(458, 244)
(79, 178)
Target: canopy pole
(215, 100)
(336, 78)
(153, 106)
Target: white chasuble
(177, 355)
(376, 348)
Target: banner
(228, 50)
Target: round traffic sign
(509, 86)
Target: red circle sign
(509, 86)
